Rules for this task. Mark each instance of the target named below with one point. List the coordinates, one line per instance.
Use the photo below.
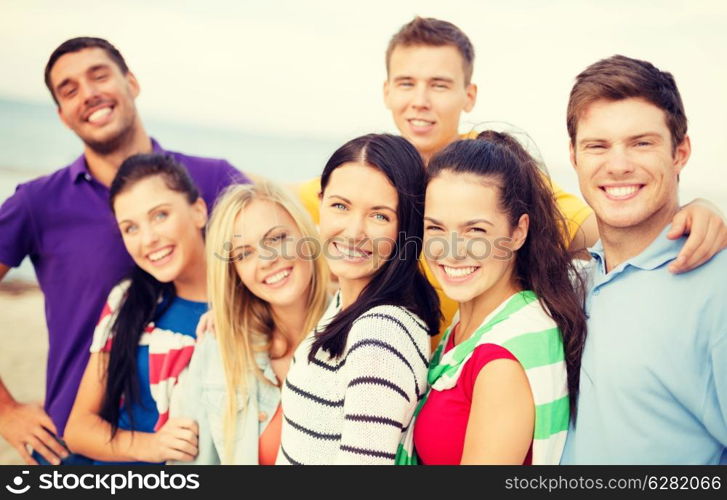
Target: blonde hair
(243, 322)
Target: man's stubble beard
(114, 143)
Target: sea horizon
(33, 142)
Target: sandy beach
(24, 341)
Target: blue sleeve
(17, 231)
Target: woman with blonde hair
(267, 289)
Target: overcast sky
(316, 68)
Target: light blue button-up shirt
(653, 386)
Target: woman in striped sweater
(356, 379)
(503, 372)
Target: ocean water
(34, 142)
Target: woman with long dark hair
(145, 337)
(505, 375)
(356, 379)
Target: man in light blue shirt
(653, 386)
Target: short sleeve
(574, 210)
(231, 175)
(17, 231)
(227, 175)
(102, 335)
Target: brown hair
(543, 264)
(78, 44)
(436, 33)
(620, 77)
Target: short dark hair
(400, 281)
(434, 32)
(619, 77)
(77, 44)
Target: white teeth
(277, 277)
(458, 272)
(351, 252)
(421, 123)
(621, 191)
(159, 255)
(99, 115)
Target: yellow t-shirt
(571, 206)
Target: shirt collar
(79, 168)
(658, 253)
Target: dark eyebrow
(477, 221)
(339, 197)
(377, 207)
(468, 223)
(148, 211)
(442, 79)
(590, 139)
(157, 206)
(383, 207)
(655, 135)
(93, 68)
(433, 221)
(97, 67)
(64, 83)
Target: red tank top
(442, 422)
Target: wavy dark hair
(543, 264)
(146, 298)
(399, 281)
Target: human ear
(199, 213)
(520, 233)
(682, 153)
(471, 91)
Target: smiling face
(359, 222)
(625, 165)
(268, 256)
(426, 93)
(161, 230)
(468, 241)
(95, 99)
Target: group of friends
(428, 300)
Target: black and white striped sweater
(353, 410)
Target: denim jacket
(204, 399)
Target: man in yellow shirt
(429, 66)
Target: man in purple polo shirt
(64, 223)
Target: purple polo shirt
(64, 223)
